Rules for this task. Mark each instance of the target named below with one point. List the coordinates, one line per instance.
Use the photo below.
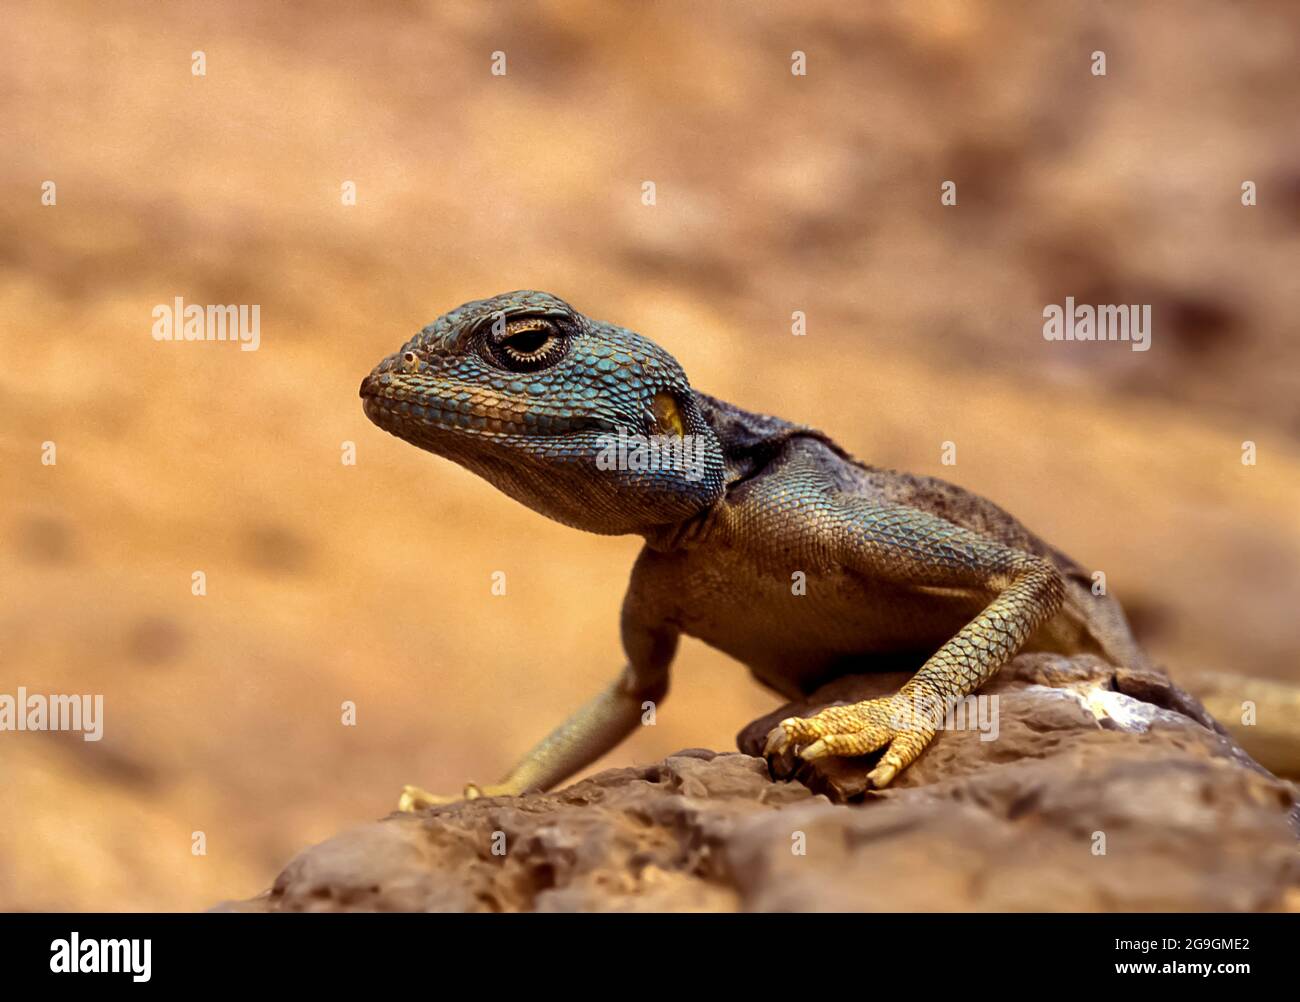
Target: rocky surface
(1103, 789)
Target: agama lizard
(763, 538)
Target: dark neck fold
(750, 441)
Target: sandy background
(775, 193)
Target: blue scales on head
(532, 395)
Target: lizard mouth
(408, 418)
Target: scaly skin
(765, 540)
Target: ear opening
(668, 415)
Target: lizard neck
(749, 442)
(689, 533)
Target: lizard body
(764, 538)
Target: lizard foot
(891, 723)
(415, 799)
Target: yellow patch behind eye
(668, 419)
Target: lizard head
(590, 424)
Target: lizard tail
(1263, 715)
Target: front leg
(908, 547)
(594, 729)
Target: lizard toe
(882, 775)
(856, 743)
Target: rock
(651, 838)
(1104, 789)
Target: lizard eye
(527, 345)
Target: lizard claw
(777, 740)
(415, 799)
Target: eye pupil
(528, 342)
(409, 356)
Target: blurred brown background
(775, 193)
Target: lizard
(764, 538)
